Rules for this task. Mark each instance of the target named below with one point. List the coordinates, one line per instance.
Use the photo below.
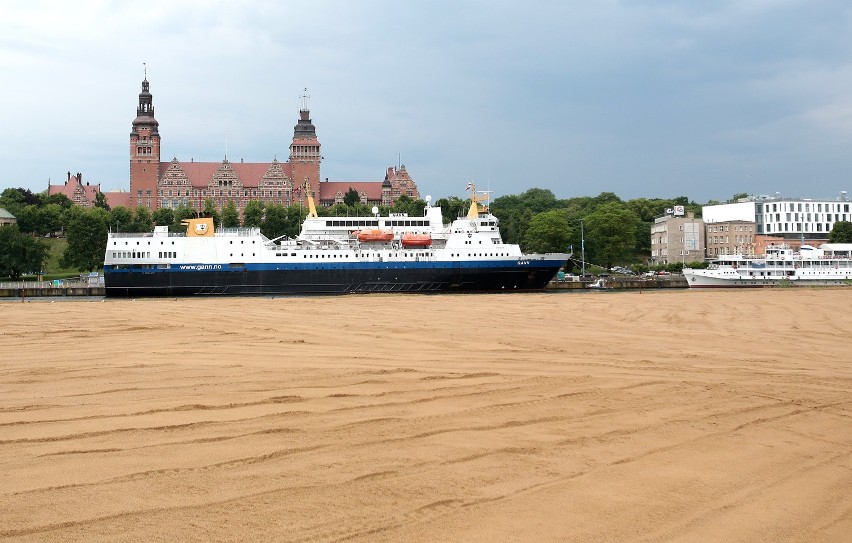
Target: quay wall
(33, 292)
(8, 291)
(624, 283)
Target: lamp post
(582, 248)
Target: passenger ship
(332, 255)
(830, 264)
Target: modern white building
(788, 218)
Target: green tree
(164, 216)
(211, 211)
(13, 199)
(406, 204)
(27, 219)
(276, 222)
(548, 232)
(101, 201)
(120, 219)
(143, 221)
(841, 232)
(49, 219)
(86, 232)
(452, 208)
(20, 253)
(351, 197)
(253, 213)
(610, 233)
(181, 213)
(230, 215)
(59, 199)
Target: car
(663, 272)
(650, 273)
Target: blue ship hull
(300, 279)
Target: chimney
(69, 178)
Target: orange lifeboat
(416, 240)
(375, 235)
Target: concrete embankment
(625, 283)
(23, 291)
(31, 292)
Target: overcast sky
(641, 98)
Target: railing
(85, 281)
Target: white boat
(599, 284)
(332, 255)
(830, 264)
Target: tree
(451, 208)
(164, 216)
(59, 199)
(181, 213)
(230, 215)
(14, 199)
(143, 221)
(351, 197)
(120, 219)
(610, 232)
(27, 219)
(406, 204)
(253, 213)
(101, 201)
(548, 232)
(49, 219)
(841, 232)
(86, 231)
(210, 211)
(276, 221)
(20, 253)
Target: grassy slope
(52, 268)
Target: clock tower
(144, 153)
(305, 154)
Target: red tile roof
(118, 198)
(201, 173)
(328, 189)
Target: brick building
(155, 184)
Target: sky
(642, 98)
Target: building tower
(305, 153)
(144, 153)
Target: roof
(328, 189)
(118, 198)
(5, 214)
(71, 185)
(200, 174)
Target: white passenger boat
(332, 255)
(830, 264)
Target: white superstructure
(831, 264)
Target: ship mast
(312, 209)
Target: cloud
(650, 98)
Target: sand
(654, 416)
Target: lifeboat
(416, 240)
(375, 235)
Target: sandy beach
(653, 416)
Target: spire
(304, 98)
(304, 128)
(145, 109)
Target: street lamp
(583, 248)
